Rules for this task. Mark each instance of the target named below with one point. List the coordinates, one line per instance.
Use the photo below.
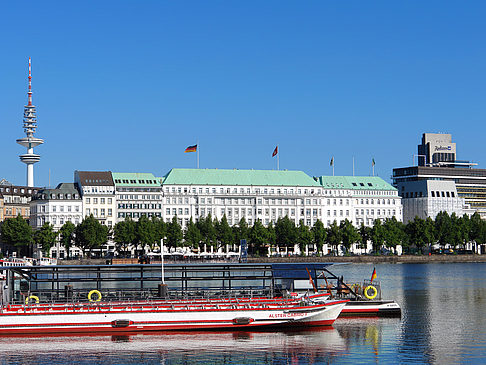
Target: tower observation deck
(30, 126)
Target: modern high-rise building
(440, 182)
(30, 126)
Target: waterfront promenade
(363, 259)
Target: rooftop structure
(30, 126)
(239, 177)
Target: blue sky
(126, 86)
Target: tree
(304, 235)
(125, 234)
(394, 232)
(476, 225)
(443, 228)
(46, 237)
(271, 234)
(377, 235)
(160, 228)
(192, 235)
(318, 235)
(286, 232)
(420, 232)
(66, 236)
(365, 235)
(174, 233)
(223, 232)
(349, 234)
(145, 232)
(17, 232)
(240, 231)
(258, 236)
(91, 234)
(207, 229)
(333, 237)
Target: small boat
(364, 299)
(165, 315)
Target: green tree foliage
(146, 232)
(394, 232)
(258, 236)
(66, 236)
(17, 232)
(192, 235)
(420, 232)
(160, 228)
(45, 237)
(240, 231)
(91, 234)
(304, 235)
(286, 232)
(318, 235)
(271, 234)
(207, 229)
(444, 228)
(224, 234)
(377, 235)
(334, 236)
(365, 235)
(349, 234)
(125, 234)
(174, 233)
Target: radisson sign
(443, 148)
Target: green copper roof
(355, 183)
(238, 177)
(135, 179)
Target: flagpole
(197, 151)
(353, 165)
(278, 159)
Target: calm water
(443, 322)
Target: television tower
(30, 125)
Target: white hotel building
(267, 195)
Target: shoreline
(363, 259)
(408, 259)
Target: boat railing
(152, 304)
(134, 295)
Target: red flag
(275, 151)
(373, 276)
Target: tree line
(207, 232)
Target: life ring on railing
(372, 296)
(94, 291)
(33, 297)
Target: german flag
(191, 149)
(373, 276)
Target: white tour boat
(163, 315)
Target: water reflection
(315, 346)
(443, 322)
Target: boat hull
(97, 318)
(377, 308)
(365, 308)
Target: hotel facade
(264, 195)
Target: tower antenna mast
(29, 141)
